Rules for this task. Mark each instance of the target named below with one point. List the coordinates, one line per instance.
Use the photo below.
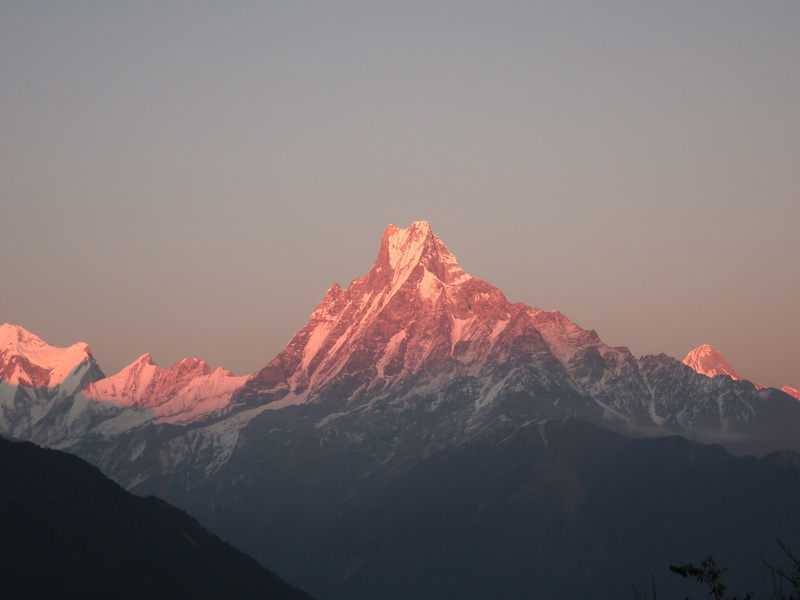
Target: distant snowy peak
(791, 391)
(706, 360)
(27, 361)
(184, 392)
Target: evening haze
(189, 178)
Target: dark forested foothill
(70, 532)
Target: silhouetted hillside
(68, 531)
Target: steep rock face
(185, 392)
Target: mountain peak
(414, 312)
(19, 338)
(144, 359)
(25, 359)
(9, 333)
(405, 247)
(709, 361)
(402, 250)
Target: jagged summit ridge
(183, 392)
(403, 249)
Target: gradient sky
(189, 178)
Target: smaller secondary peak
(791, 391)
(709, 361)
(192, 365)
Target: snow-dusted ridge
(185, 392)
(59, 396)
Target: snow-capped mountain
(37, 378)
(27, 361)
(185, 392)
(414, 309)
(417, 316)
(709, 361)
(706, 360)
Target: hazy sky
(189, 178)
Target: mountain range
(421, 423)
(416, 323)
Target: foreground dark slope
(68, 531)
(555, 509)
